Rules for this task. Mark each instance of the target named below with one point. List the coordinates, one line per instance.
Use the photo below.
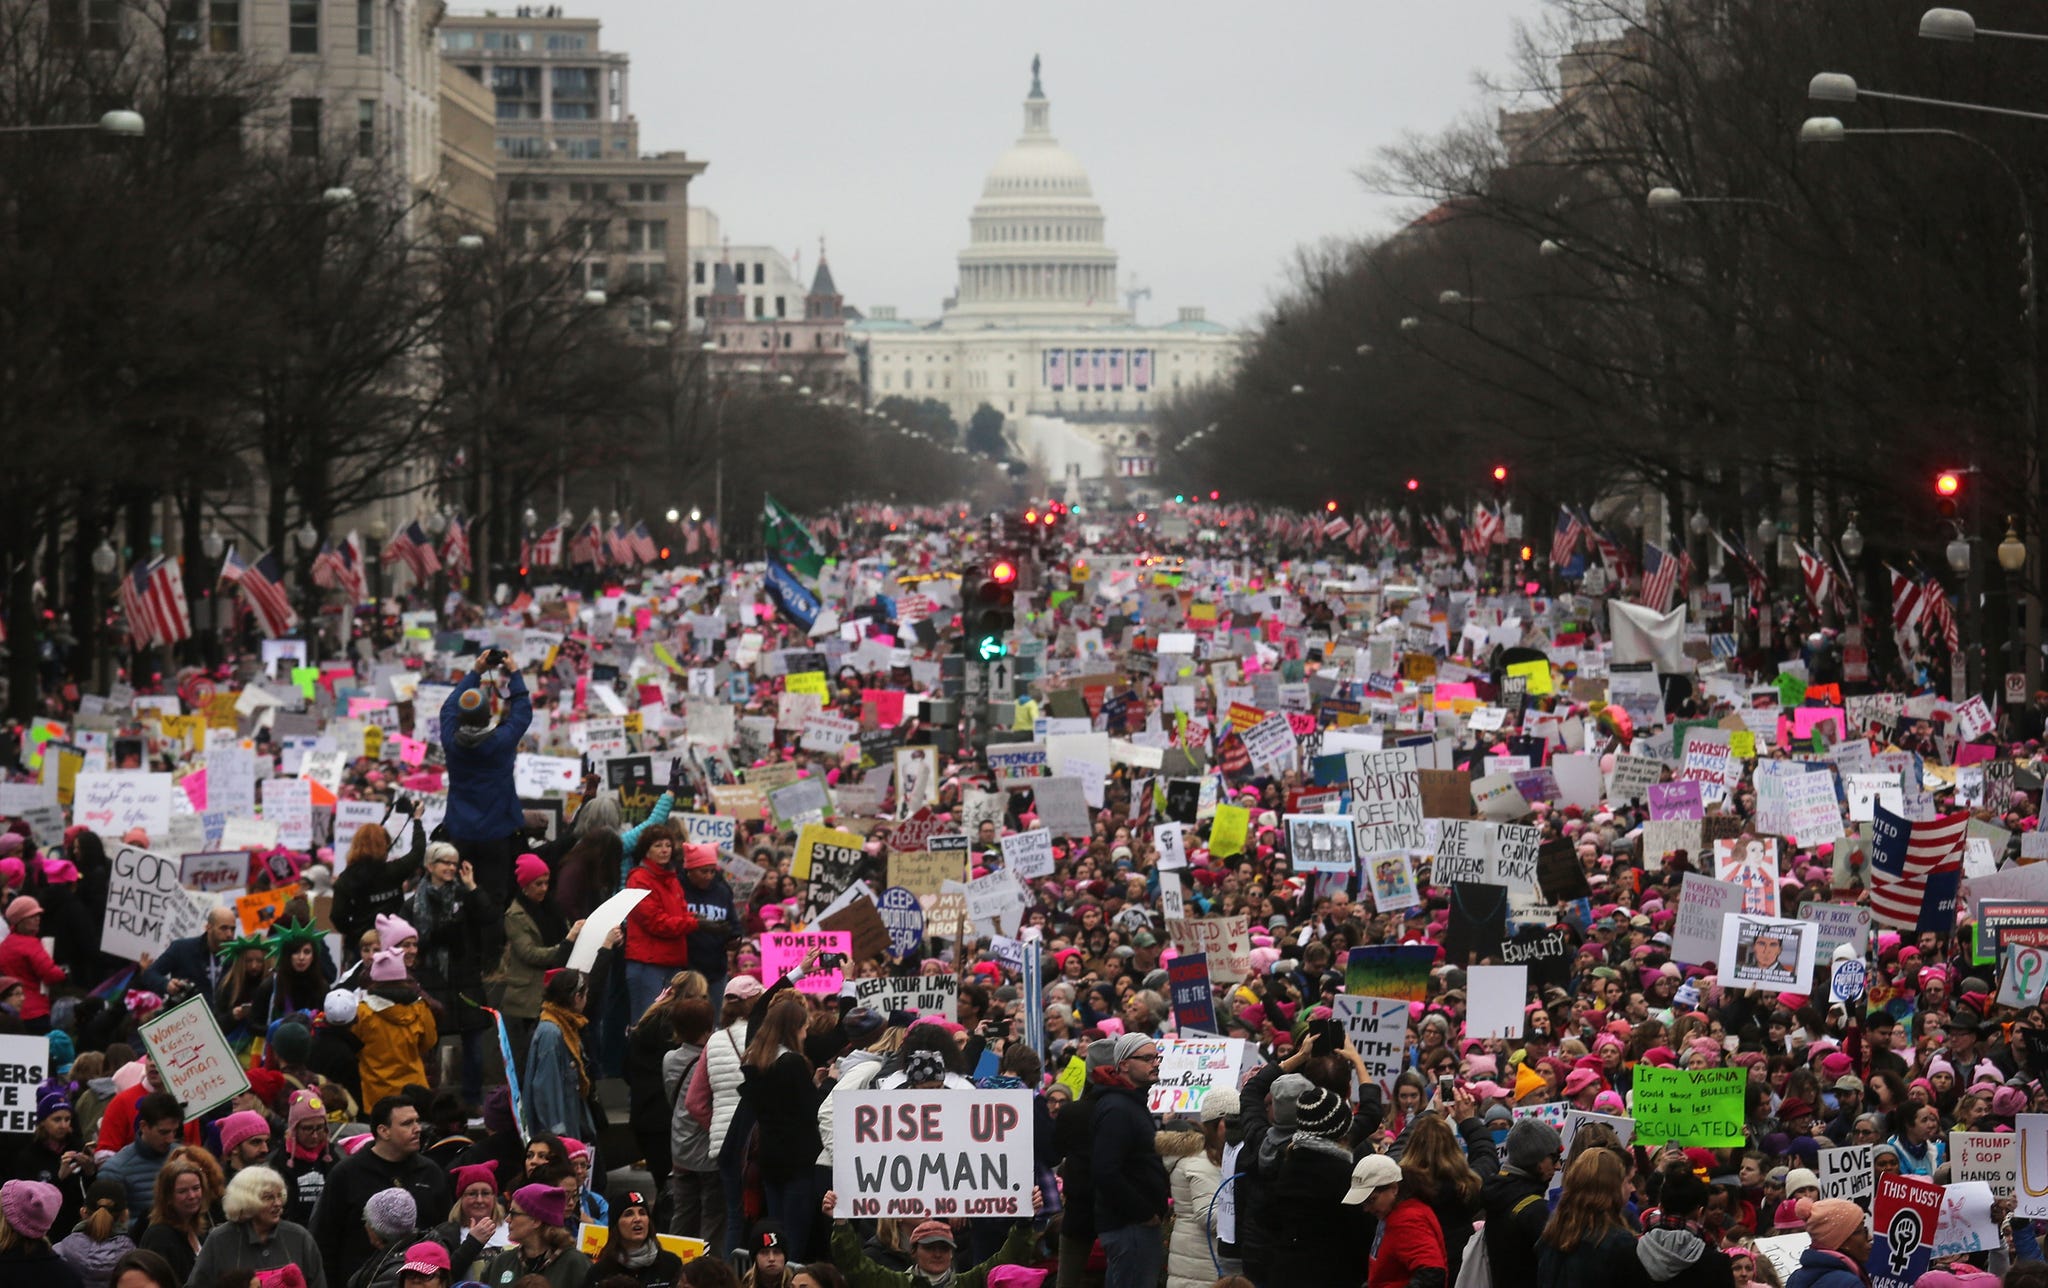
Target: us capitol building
(1037, 327)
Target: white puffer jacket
(1193, 1181)
(724, 1058)
(857, 1072)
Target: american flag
(711, 535)
(1610, 549)
(1940, 617)
(1336, 526)
(690, 537)
(341, 567)
(618, 547)
(262, 586)
(1904, 855)
(1663, 575)
(1390, 532)
(1752, 571)
(1487, 523)
(1909, 600)
(587, 546)
(643, 543)
(545, 550)
(412, 544)
(455, 546)
(153, 601)
(1819, 576)
(1354, 541)
(1569, 530)
(1439, 534)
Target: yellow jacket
(396, 1037)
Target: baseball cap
(425, 1258)
(1373, 1172)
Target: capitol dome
(1036, 253)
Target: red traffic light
(1002, 572)
(1330, 507)
(1414, 485)
(1031, 516)
(1500, 473)
(1214, 495)
(1947, 483)
(1527, 554)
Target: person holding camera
(484, 819)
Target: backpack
(1477, 1269)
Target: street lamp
(1851, 540)
(1551, 248)
(469, 243)
(1958, 553)
(119, 123)
(2012, 552)
(104, 559)
(594, 299)
(1766, 532)
(1699, 523)
(1411, 323)
(308, 534)
(1667, 200)
(530, 518)
(785, 380)
(338, 198)
(1958, 27)
(662, 326)
(696, 515)
(1839, 87)
(673, 514)
(212, 544)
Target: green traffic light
(989, 647)
(1180, 498)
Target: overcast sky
(1218, 136)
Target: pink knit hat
(243, 1125)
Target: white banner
(938, 1153)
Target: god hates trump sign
(932, 1153)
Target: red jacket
(1411, 1240)
(658, 929)
(22, 957)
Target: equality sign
(198, 1065)
(1903, 1219)
(939, 1153)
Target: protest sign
(1461, 847)
(24, 1064)
(1029, 854)
(1988, 1156)
(1679, 799)
(215, 870)
(1389, 970)
(784, 950)
(708, 829)
(1320, 843)
(1391, 883)
(1846, 1173)
(1386, 799)
(2024, 977)
(1545, 950)
(1688, 1106)
(602, 920)
(818, 843)
(1189, 1068)
(110, 804)
(1751, 862)
(922, 872)
(1192, 996)
(922, 994)
(147, 906)
(1511, 861)
(1226, 940)
(1837, 924)
(1904, 1217)
(288, 805)
(1171, 841)
(1494, 996)
(1378, 1029)
(198, 1065)
(1966, 1223)
(903, 916)
(1766, 953)
(938, 1153)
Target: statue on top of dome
(1037, 91)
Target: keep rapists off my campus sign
(932, 1153)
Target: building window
(657, 192)
(458, 40)
(183, 23)
(699, 306)
(760, 274)
(761, 311)
(583, 149)
(646, 235)
(788, 340)
(366, 27)
(305, 127)
(636, 192)
(518, 91)
(780, 310)
(224, 26)
(562, 42)
(575, 93)
(526, 147)
(697, 273)
(305, 26)
(600, 274)
(366, 127)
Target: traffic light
(1414, 485)
(989, 611)
(1329, 507)
(1500, 474)
(1528, 553)
(1948, 486)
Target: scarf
(547, 919)
(571, 1024)
(941, 1281)
(641, 1257)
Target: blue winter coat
(1821, 1269)
(483, 804)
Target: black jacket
(785, 1104)
(1072, 1134)
(362, 890)
(1130, 1177)
(1516, 1213)
(337, 1226)
(1677, 1258)
(1319, 1241)
(1254, 1190)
